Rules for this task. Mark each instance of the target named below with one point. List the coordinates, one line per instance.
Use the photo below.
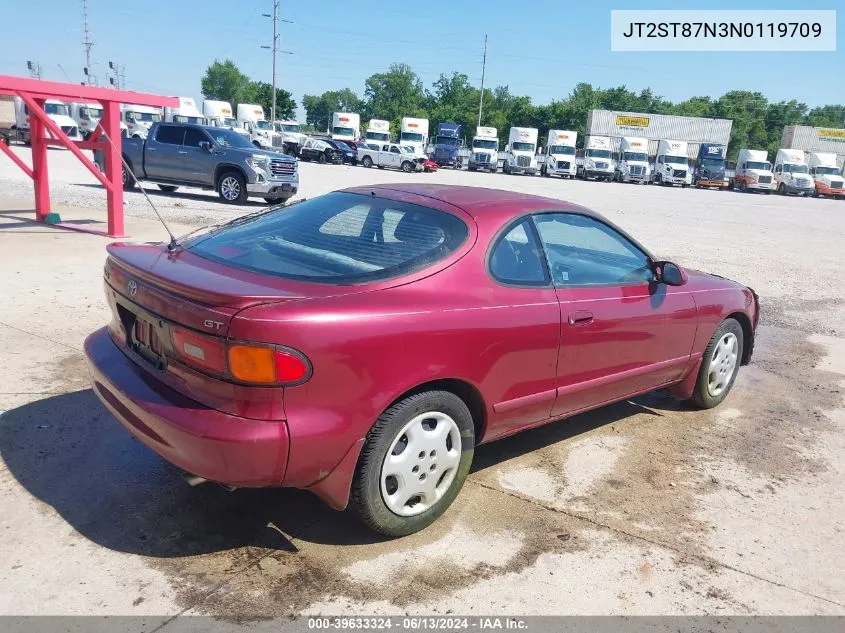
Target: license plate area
(144, 336)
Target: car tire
(367, 162)
(232, 188)
(719, 365)
(407, 167)
(322, 158)
(436, 466)
(168, 188)
(781, 189)
(128, 180)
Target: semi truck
(346, 126)
(560, 154)
(792, 174)
(186, 112)
(710, 166)
(671, 165)
(598, 159)
(447, 142)
(414, 133)
(86, 116)
(292, 138)
(753, 171)
(56, 111)
(825, 174)
(520, 156)
(139, 119)
(378, 132)
(485, 149)
(632, 165)
(259, 129)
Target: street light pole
(483, 68)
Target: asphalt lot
(639, 508)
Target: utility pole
(34, 69)
(118, 77)
(87, 44)
(275, 49)
(483, 69)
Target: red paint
(532, 354)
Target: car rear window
(339, 238)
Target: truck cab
(792, 174)
(292, 138)
(598, 159)
(485, 149)
(259, 129)
(560, 154)
(414, 133)
(187, 112)
(57, 111)
(346, 126)
(754, 171)
(447, 143)
(671, 165)
(521, 151)
(632, 165)
(710, 166)
(86, 116)
(378, 132)
(825, 174)
(139, 119)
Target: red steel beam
(74, 92)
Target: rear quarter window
(339, 238)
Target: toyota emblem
(133, 288)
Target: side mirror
(206, 146)
(669, 273)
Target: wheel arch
(226, 167)
(747, 334)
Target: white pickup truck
(391, 155)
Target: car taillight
(201, 351)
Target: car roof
(482, 203)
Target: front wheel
(367, 161)
(719, 365)
(407, 167)
(168, 188)
(232, 188)
(128, 180)
(413, 463)
(781, 189)
(321, 159)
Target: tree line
(224, 81)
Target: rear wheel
(719, 365)
(128, 180)
(168, 188)
(413, 463)
(232, 188)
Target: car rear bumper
(199, 440)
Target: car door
(162, 160)
(197, 163)
(622, 332)
(394, 157)
(522, 377)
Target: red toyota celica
(362, 343)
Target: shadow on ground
(68, 452)
(153, 190)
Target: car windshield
(195, 120)
(407, 150)
(91, 113)
(830, 171)
(411, 136)
(55, 108)
(377, 136)
(229, 138)
(261, 124)
(449, 141)
(519, 146)
(598, 153)
(675, 160)
(290, 127)
(343, 131)
(713, 163)
(339, 238)
(758, 165)
(343, 146)
(480, 143)
(566, 150)
(639, 156)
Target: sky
(541, 49)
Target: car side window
(516, 258)
(583, 251)
(193, 137)
(394, 150)
(170, 134)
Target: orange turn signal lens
(252, 364)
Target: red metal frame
(34, 93)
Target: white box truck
(792, 174)
(753, 171)
(346, 126)
(219, 114)
(671, 165)
(598, 159)
(414, 133)
(484, 153)
(378, 132)
(825, 174)
(56, 111)
(139, 119)
(260, 130)
(632, 165)
(520, 153)
(560, 154)
(186, 112)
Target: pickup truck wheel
(407, 167)
(128, 181)
(168, 188)
(367, 161)
(232, 188)
(413, 464)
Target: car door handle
(580, 317)
(151, 149)
(186, 153)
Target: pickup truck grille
(523, 161)
(280, 167)
(764, 180)
(679, 173)
(836, 185)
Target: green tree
(223, 81)
(827, 116)
(747, 110)
(394, 94)
(318, 109)
(778, 116)
(261, 93)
